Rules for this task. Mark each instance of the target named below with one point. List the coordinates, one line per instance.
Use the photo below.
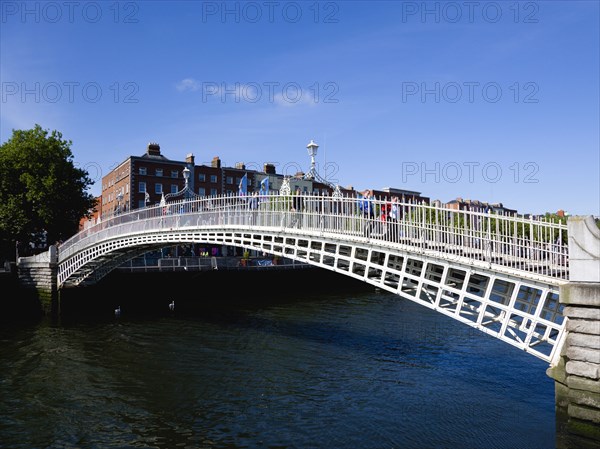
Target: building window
(174, 173)
(142, 187)
(142, 171)
(213, 178)
(174, 188)
(213, 191)
(159, 172)
(229, 180)
(158, 188)
(202, 191)
(141, 204)
(202, 177)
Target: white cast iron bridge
(497, 273)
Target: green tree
(41, 190)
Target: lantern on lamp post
(119, 199)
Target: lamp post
(312, 148)
(186, 193)
(313, 175)
(119, 198)
(186, 177)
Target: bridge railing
(520, 243)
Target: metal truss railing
(526, 247)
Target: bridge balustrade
(522, 244)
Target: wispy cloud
(287, 95)
(188, 84)
(303, 98)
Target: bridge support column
(577, 372)
(38, 279)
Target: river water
(358, 369)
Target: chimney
(153, 149)
(216, 162)
(189, 158)
(269, 169)
(240, 166)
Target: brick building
(95, 212)
(409, 196)
(141, 181)
(479, 206)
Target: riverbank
(16, 302)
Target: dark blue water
(363, 370)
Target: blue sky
(496, 101)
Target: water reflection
(363, 370)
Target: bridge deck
(525, 246)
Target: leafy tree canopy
(40, 188)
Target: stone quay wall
(577, 371)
